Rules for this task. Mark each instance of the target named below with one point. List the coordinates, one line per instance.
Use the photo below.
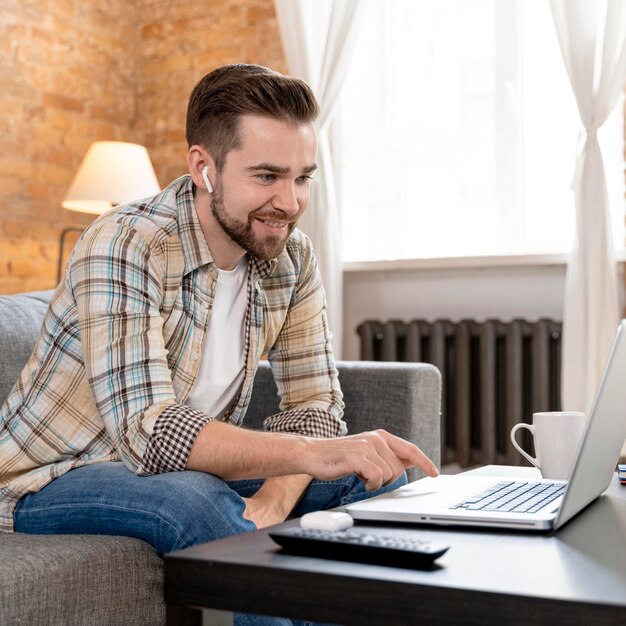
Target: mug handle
(531, 428)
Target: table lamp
(111, 173)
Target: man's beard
(242, 233)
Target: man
(127, 418)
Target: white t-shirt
(222, 364)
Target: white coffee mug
(556, 435)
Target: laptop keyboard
(513, 497)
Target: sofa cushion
(79, 580)
(21, 316)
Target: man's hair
(220, 98)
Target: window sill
(468, 262)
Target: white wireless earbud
(207, 182)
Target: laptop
(466, 500)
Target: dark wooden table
(575, 576)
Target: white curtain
(318, 38)
(592, 37)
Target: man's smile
(273, 224)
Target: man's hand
(273, 502)
(377, 458)
(262, 513)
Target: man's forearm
(234, 453)
(285, 491)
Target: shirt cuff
(309, 422)
(174, 433)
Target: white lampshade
(112, 173)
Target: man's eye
(267, 178)
(304, 178)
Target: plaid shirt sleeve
(116, 279)
(302, 359)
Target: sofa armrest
(403, 398)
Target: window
(456, 133)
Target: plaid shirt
(121, 342)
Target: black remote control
(357, 544)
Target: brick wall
(180, 43)
(67, 78)
(77, 71)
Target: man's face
(264, 185)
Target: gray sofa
(109, 580)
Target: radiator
(494, 375)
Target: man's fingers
(380, 454)
(423, 462)
(394, 464)
(411, 455)
(377, 458)
(371, 474)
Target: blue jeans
(169, 511)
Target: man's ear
(197, 160)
